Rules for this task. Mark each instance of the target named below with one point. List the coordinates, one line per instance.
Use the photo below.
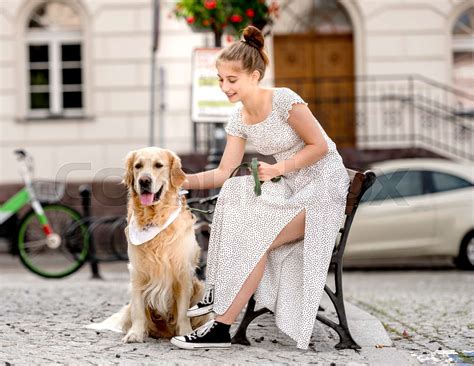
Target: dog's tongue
(146, 199)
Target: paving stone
(42, 322)
(428, 313)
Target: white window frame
(54, 40)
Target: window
(447, 182)
(402, 183)
(55, 59)
(463, 57)
(318, 16)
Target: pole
(152, 101)
(161, 125)
(86, 192)
(154, 48)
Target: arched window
(318, 16)
(463, 56)
(54, 61)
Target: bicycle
(51, 238)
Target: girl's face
(235, 82)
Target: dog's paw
(133, 337)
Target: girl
(278, 245)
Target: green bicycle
(52, 239)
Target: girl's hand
(267, 171)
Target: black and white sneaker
(210, 335)
(205, 305)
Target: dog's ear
(128, 176)
(177, 176)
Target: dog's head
(152, 172)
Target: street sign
(209, 103)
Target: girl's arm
(215, 178)
(303, 122)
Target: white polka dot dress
(244, 225)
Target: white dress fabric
(244, 225)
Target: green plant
(225, 16)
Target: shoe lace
(208, 297)
(201, 331)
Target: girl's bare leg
(291, 232)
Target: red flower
(235, 18)
(206, 22)
(190, 20)
(250, 13)
(210, 4)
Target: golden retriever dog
(162, 269)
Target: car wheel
(466, 253)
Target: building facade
(75, 77)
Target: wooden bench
(360, 182)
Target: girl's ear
(128, 176)
(255, 75)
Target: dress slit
(260, 256)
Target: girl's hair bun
(254, 37)
(249, 51)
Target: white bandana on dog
(140, 236)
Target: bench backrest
(360, 182)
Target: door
(321, 69)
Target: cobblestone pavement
(428, 313)
(41, 322)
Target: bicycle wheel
(67, 255)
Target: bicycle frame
(26, 196)
(13, 205)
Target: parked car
(418, 210)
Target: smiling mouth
(148, 198)
(231, 95)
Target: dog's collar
(138, 236)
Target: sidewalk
(41, 321)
